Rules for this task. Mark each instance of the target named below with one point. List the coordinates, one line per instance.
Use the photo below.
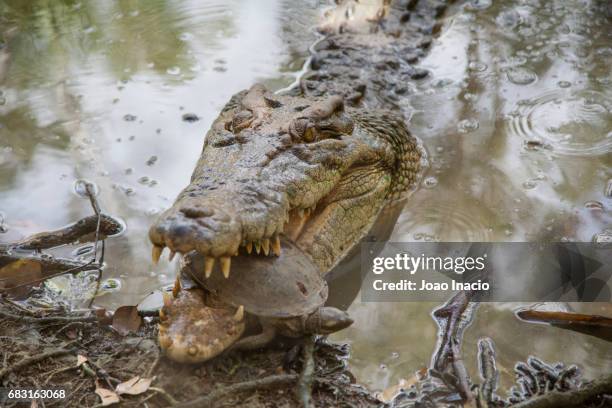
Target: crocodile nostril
(191, 212)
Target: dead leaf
(108, 397)
(126, 319)
(81, 359)
(104, 317)
(134, 386)
(15, 277)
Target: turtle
(284, 295)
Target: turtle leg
(256, 341)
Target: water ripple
(572, 123)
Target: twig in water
(571, 399)
(452, 318)
(488, 370)
(104, 224)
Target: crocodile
(317, 165)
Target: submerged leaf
(15, 276)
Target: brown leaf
(134, 386)
(108, 397)
(126, 319)
(15, 276)
(104, 318)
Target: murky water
(517, 120)
(516, 117)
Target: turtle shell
(285, 286)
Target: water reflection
(97, 91)
(516, 118)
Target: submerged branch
(85, 228)
(18, 270)
(592, 325)
(571, 399)
(452, 318)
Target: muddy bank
(266, 378)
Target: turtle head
(190, 331)
(327, 320)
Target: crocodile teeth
(239, 314)
(171, 256)
(165, 342)
(156, 253)
(167, 299)
(249, 247)
(208, 266)
(257, 247)
(177, 286)
(307, 212)
(226, 262)
(276, 246)
(300, 213)
(265, 245)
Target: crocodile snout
(199, 226)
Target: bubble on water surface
(173, 71)
(111, 285)
(529, 184)
(564, 84)
(84, 187)
(129, 118)
(570, 123)
(477, 66)
(430, 182)
(521, 76)
(467, 125)
(594, 206)
(479, 4)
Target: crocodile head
(310, 169)
(191, 330)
